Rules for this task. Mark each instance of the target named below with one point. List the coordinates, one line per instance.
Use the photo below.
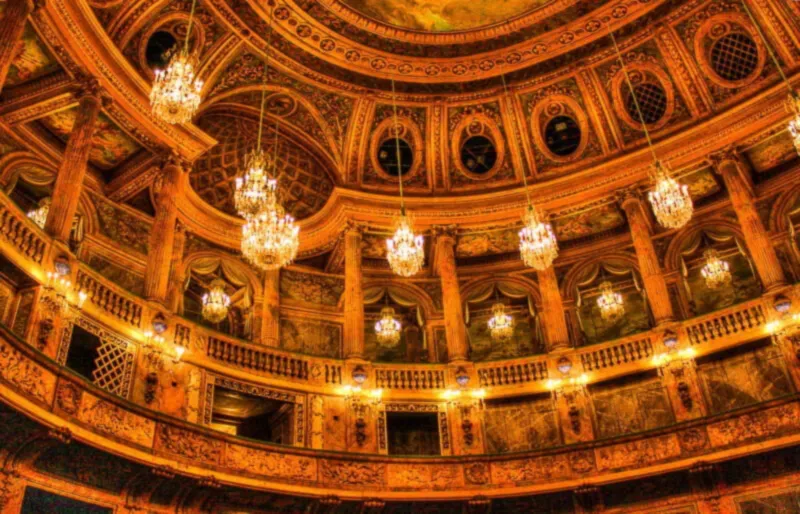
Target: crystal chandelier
(501, 325)
(216, 302)
(388, 328)
(270, 239)
(612, 307)
(670, 200)
(537, 242)
(175, 96)
(39, 214)
(405, 251)
(794, 124)
(252, 188)
(716, 271)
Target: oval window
(562, 135)
(478, 154)
(652, 101)
(158, 47)
(387, 157)
(734, 56)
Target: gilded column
(271, 309)
(176, 276)
(168, 188)
(353, 293)
(69, 181)
(457, 347)
(12, 25)
(554, 321)
(654, 283)
(733, 171)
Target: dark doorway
(413, 433)
(82, 352)
(252, 416)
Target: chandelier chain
(266, 78)
(633, 93)
(524, 168)
(768, 46)
(189, 27)
(397, 149)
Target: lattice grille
(652, 101)
(734, 56)
(113, 367)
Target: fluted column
(733, 171)
(271, 309)
(176, 276)
(12, 25)
(457, 347)
(554, 321)
(69, 181)
(654, 283)
(168, 188)
(353, 293)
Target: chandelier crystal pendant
(175, 96)
(216, 302)
(39, 214)
(671, 202)
(501, 325)
(794, 124)
(716, 271)
(388, 328)
(611, 304)
(270, 239)
(405, 251)
(538, 246)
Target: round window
(562, 135)
(158, 47)
(652, 102)
(734, 56)
(387, 157)
(478, 154)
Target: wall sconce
(360, 401)
(467, 401)
(59, 287)
(676, 361)
(157, 352)
(570, 388)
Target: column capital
(629, 197)
(727, 157)
(90, 87)
(355, 227)
(445, 232)
(170, 158)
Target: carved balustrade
(633, 349)
(409, 377)
(109, 298)
(258, 359)
(495, 374)
(21, 232)
(733, 324)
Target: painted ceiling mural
(110, 145)
(443, 15)
(31, 57)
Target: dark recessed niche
(478, 154)
(734, 56)
(562, 135)
(158, 47)
(652, 102)
(387, 157)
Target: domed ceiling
(443, 15)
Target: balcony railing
(258, 359)
(22, 233)
(409, 377)
(110, 299)
(617, 353)
(512, 373)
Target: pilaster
(457, 346)
(353, 293)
